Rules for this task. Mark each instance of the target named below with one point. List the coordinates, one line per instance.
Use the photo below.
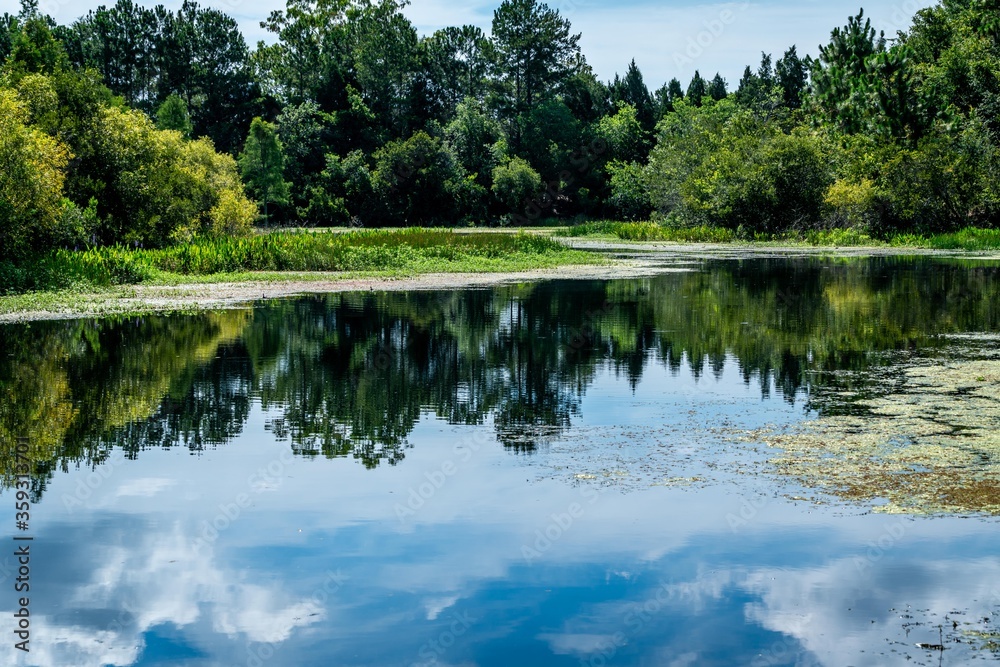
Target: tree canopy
(125, 126)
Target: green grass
(649, 231)
(971, 239)
(383, 252)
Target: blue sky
(666, 39)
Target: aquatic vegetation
(929, 445)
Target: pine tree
(697, 89)
(717, 88)
(790, 72)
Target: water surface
(556, 473)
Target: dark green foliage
(517, 187)
(474, 135)
(629, 198)
(420, 180)
(791, 74)
(632, 90)
(667, 96)
(307, 135)
(8, 32)
(362, 122)
(35, 50)
(455, 63)
(146, 55)
(759, 90)
(697, 89)
(717, 88)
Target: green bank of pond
(62, 277)
(361, 250)
(971, 238)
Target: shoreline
(624, 260)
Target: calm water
(541, 474)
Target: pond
(736, 462)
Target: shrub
(515, 186)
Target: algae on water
(931, 444)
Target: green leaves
(724, 166)
(173, 115)
(32, 170)
(535, 53)
(262, 164)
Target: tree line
(136, 124)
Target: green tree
(667, 96)
(203, 57)
(310, 59)
(307, 136)
(456, 63)
(473, 135)
(516, 185)
(842, 78)
(791, 74)
(9, 28)
(697, 89)
(535, 53)
(122, 44)
(31, 181)
(723, 165)
(632, 90)
(717, 88)
(759, 90)
(550, 133)
(629, 198)
(173, 115)
(584, 95)
(36, 50)
(419, 181)
(624, 135)
(262, 164)
(384, 60)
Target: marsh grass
(649, 231)
(971, 238)
(380, 251)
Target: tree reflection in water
(350, 374)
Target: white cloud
(162, 580)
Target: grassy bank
(392, 252)
(966, 239)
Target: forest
(148, 127)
